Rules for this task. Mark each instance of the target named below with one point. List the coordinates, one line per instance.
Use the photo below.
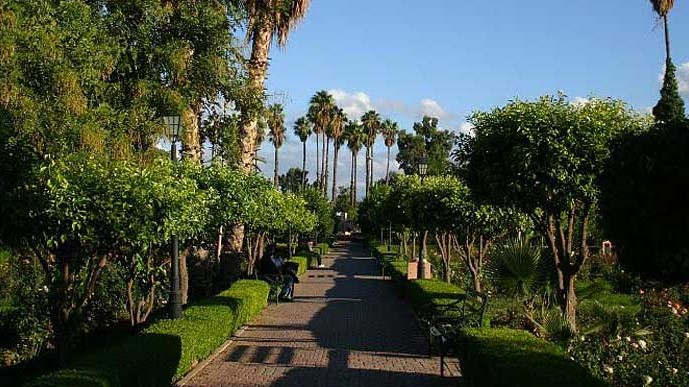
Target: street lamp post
(423, 170)
(173, 125)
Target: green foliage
(166, 350)
(519, 269)
(318, 204)
(292, 180)
(644, 207)
(506, 357)
(670, 107)
(304, 263)
(427, 140)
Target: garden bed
(168, 349)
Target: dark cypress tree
(670, 107)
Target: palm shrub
(518, 268)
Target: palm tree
(320, 107)
(302, 129)
(355, 139)
(276, 122)
(662, 8)
(371, 123)
(267, 20)
(389, 131)
(337, 124)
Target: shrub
(304, 263)
(644, 207)
(425, 291)
(324, 247)
(507, 357)
(167, 349)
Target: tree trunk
(387, 169)
(351, 182)
(184, 276)
(570, 309)
(327, 166)
(303, 166)
(218, 249)
(323, 164)
(667, 39)
(191, 134)
(318, 155)
(356, 162)
(368, 171)
(275, 170)
(336, 150)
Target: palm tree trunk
(327, 166)
(191, 134)
(322, 179)
(318, 176)
(351, 182)
(336, 150)
(387, 169)
(367, 170)
(667, 39)
(275, 171)
(257, 68)
(303, 166)
(356, 161)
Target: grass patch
(507, 357)
(167, 349)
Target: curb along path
(346, 327)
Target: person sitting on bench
(319, 259)
(273, 264)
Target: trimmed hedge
(167, 349)
(304, 263)
(508, 357)
(323, 247)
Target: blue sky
(449, 58)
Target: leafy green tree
(371, 124)
(302, 129)
(427, 140)
(643, 202)
(545, 158)
(292, 180)
(318, 204)
(276, 123)
(670, 107)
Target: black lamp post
(173, 126)
(423, 170)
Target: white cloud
(432, 108)
(578, 101)
(354, 104)
(466, 127)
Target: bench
(443, 322)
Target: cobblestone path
(346, 327)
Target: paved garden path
(346, 327)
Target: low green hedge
(425, 291)
(168, 349)
(508, 357)
(304, 263)
(323, 247)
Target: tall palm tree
(267, 20)
(320, 107)
(355, 139)
(302, 129)
(662, 8)
(371, 124)
(389, 130)
(276, 123)
(337, 125)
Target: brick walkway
(346, 327)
